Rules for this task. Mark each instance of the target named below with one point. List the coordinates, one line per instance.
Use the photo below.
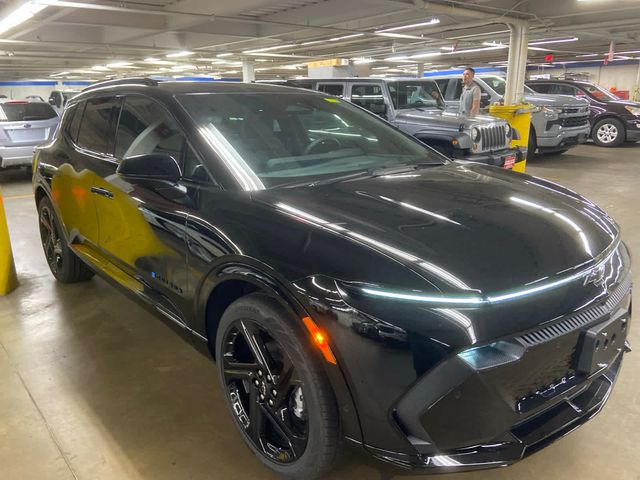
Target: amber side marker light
(320, 339)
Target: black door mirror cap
(152, 166)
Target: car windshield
(599, 93)
(415, 93)
(499, 85)
(301, 137)
(23, 111)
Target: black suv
(612, 120)
(350, 281)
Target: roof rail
(123, 81)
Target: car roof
(555, 80)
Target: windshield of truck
(286, 137)
(415, 94)
(499, 85)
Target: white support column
(517, 62)
(248, 73)
(420, 70)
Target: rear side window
(367, 95)
(24, 112)
(332, 89)
(96, 128)
(73, 115)
(540, 87)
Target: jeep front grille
(493, 137)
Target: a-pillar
(248, 73)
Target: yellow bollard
(8, 278)
(519, 117)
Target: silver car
(23, 126)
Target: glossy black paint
(599, 109)
(189, 248)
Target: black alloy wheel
(63, 263)
(277, 394)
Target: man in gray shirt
(470, 98)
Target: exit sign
(548, 58)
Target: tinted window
(332, 89)
(442, 85)
(96, 132)
(73, 115)
(367, 95)
(23, 112)
(412, 94)
(560, 89)
(540, 88)
(145, 127)
(300, 136)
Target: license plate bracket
(602, 343)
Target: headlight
(633, 110)
(552, 110)
(508, 131)
(475, 134)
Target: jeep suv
(557, 124)
(415, 106)
(613, 120)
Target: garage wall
(20, 89)
(622, 77)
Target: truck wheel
(532, 145)
(608, 132)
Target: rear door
(25, 123)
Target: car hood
(460, 226)
(443, 118)
(624, 103)
(555, 100)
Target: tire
(301, 441)
(63, 263)
(532, 145)
(608, 132)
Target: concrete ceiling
(72, 39)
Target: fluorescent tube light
(183, 53)
(345, 37)
(433, 21)
(546, 41)
(20, 15)
(268, 49)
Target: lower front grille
(574, 121)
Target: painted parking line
(18, 197)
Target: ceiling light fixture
(119, 64)
(224, 54)
(346, 37)
(183, 53)
(268, 49)
(546, 41)
(20, 15)
(433, 21)
(100, 68)
(397, 35)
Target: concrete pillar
(420, 70)
(517, 62)
(248, 73)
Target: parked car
(559, 122)
(416, 107)
(34, 98)
(613, 121)
(23, 126)
(59, 98)
(275, 226)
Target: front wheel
(608, 132)
(275, 389)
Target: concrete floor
(93, 387)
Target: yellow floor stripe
(18, 197)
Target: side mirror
(153, 166)
(378, 108)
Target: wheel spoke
(256, 345)
(256, 419)
(296, 443)
(234, 370)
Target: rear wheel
(608, 132)
(63, 263)
(275, 389)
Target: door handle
(102, 191)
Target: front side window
(145, 127)
(599, 93)
(73, 115)
(98, 122)
(415, 94)
(299, 137)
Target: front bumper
(521, 440)
(558, 137)
(462, 415)
(16, 156)
(497, 158)
(633, 130)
